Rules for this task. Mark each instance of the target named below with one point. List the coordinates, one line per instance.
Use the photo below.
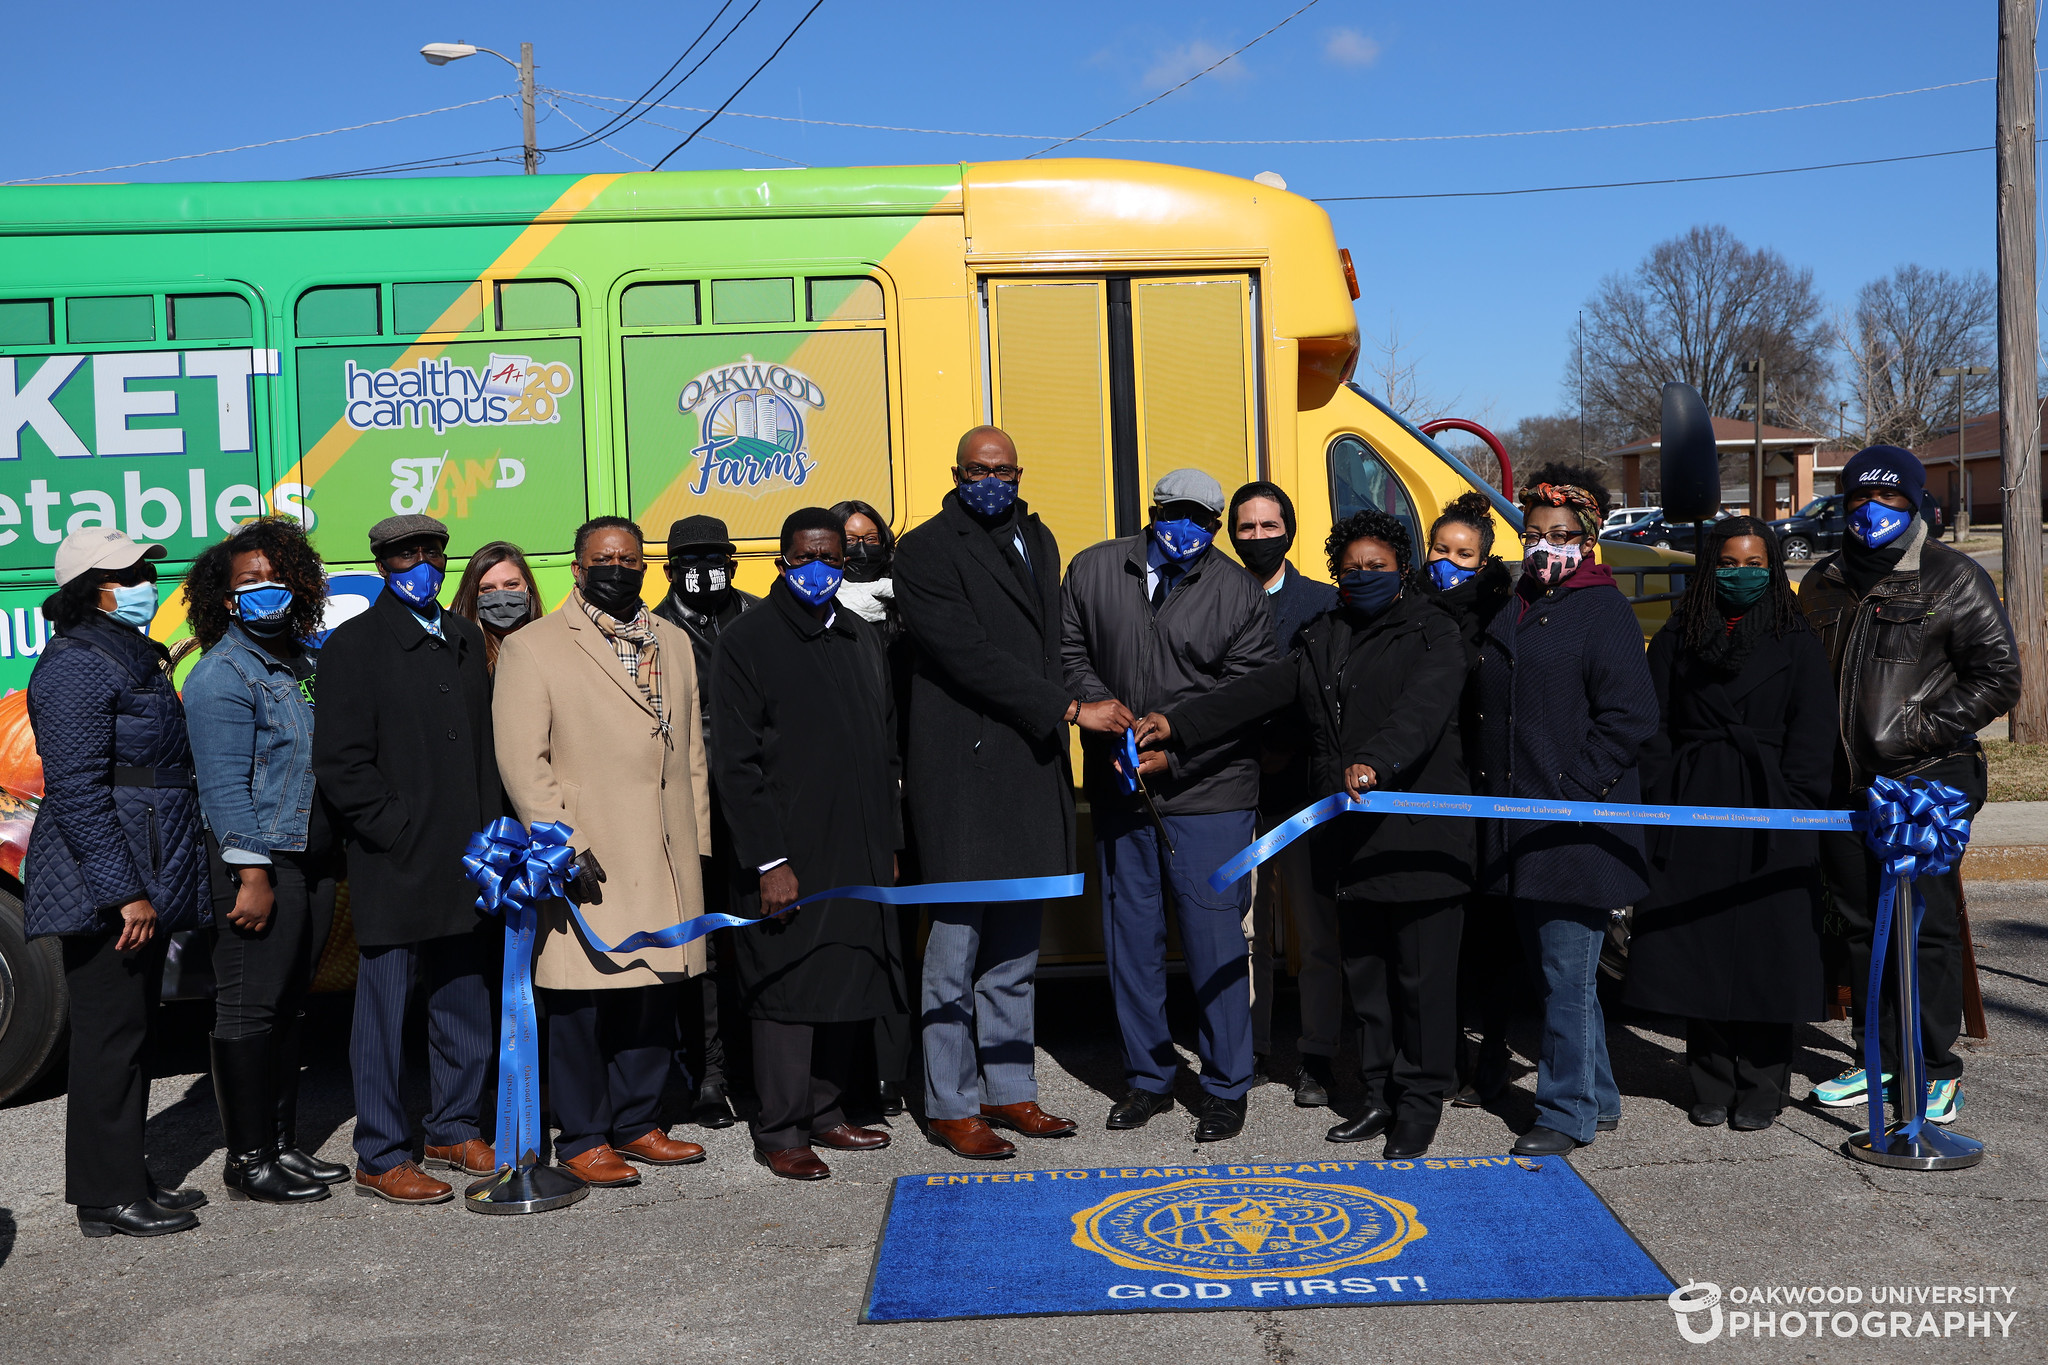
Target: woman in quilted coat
(115, 864)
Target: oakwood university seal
(1244, 1228)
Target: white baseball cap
(100, 547)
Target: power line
(737, 25)
(736, 146)
(749, 81)
(1306, 141)
(252, 146)
(642, 97)
(479, 157)
(1630, 184)
(602, 142)
(1189, 81)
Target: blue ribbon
(1518, 808)
(515, 871)
(1916, 829)
(1128, 767)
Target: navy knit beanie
(1885, 469)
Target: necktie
(1169, 574)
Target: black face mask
(866, 563)
(1263, 556)
(704, 583)
(614, 590)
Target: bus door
(1106, 382)
(127, 407)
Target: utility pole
(1961, 372)
(526, 106)
(2019, 351)
(1756, 454)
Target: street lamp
(440, 54)
(1959, 373)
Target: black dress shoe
(1541, 1141)
(1708, 1115)
(143, 1218)
(1220, 1119)
(1365, 1127)
(1137, 1109)
(306, 1166)
(177, 1200)
(1750, 1123)
(1410, 1139)
(713, 1109)
(1607, 1125)
(1260, 1075)
(1313, 1083)
(890, 1097)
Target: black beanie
(1885, 469)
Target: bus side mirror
(1688, 460)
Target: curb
(2007, 863)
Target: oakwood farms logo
(750, 426)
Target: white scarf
(868, 601)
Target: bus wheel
(34, 1003)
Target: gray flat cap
(397, 530)
(1188, 485)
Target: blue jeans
(1212, 943)
(1574, 1080)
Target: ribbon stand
(514, 872)
(1916, 830)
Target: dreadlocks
(1698, 615)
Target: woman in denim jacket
(255, 601)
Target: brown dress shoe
(1028, 1119)
(600, 1166)
(659, 1149)
(847, 1138)
(404, 1183)
(475, 1156)
(794, 1163)
(970, 1137)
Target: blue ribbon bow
(1916, 828)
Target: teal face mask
(1741, 587)
(134, 605)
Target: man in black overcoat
(405, 755)
(989, 786)
(803, 752)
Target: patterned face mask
(815, 583)
(988, 496)
(1552, 564)
(1181, 539)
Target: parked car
(1657, 533)
(1813, 530)
(1626, 516)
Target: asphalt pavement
(721, 1262)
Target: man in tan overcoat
(598, 727)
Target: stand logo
(750, 426)
(1239, 1229)
(442, 394)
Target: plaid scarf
(639, 654)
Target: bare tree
(1699, 308)
(1906, 326)
(1396, 367)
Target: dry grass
(2019, 772)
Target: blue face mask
(419, 585)
(262, 606)
(134, 606)
(1447, 574)
(1369, 591)
(815, 583)
(1181, 539)
(988, 496)
(1877, 525)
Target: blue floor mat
(1320, 1234)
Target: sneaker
(1944, 1101)
(1844, 1090)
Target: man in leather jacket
(1923, 659)
(703, 601)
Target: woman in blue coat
(1565, 702)
(115, 864)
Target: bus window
(1050, 381)
(753, 301)
(209, 317)
(672, 303)
(348, 310)
(1192, 340)
(1360, 481)
(856, 300)
(750, 426)
(25, 322)
(99, 321)
(531, 305)
(446, 306)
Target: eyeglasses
(1559, 536)
(872, 538)
(407, 556)
(975, 473)
(141, 571)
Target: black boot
(143, 1218)
(248, 1114)
(284, 1072)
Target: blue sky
(1483, 292)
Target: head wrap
(1584, 505)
